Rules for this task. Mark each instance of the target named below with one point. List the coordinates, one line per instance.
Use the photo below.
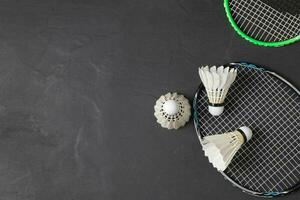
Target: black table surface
(78, 82)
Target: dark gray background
(78, 82)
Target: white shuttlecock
(172, 110)
(217, 82)
(220, 149)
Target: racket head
(267, 165)
(253, 20)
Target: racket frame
(252, 40)
(196, 124)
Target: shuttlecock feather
(220, 149)
(172, 111)
(217, 82)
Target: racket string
(265, 9)
(263, 22)
(278, 127)
(269, 172)
(256, 24)
(284, 25)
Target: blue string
(252, 66)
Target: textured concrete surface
(78, 81)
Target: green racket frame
(252, 40)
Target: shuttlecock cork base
(221, 148)
(172, 111)
(216, 109)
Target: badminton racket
(269, 164)
(265, 22)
